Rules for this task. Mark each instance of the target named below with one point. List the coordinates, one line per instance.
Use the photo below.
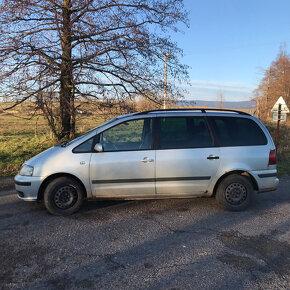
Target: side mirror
(98, 147)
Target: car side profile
(156, 155)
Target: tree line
(275, 83)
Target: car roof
(174, 113)
(182, 111)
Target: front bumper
(27, 187)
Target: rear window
(238, 132)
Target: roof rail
(203, 110)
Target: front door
(126, 167)
(186, 159)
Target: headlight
(26, 170)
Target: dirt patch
(261, 253)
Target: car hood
(43, 156)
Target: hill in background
(215, 104)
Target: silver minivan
(154, 155)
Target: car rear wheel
(63, 196)
(235, 193)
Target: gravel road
(161, 244)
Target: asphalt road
(163, 244)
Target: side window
(185, 132)
(130, 135)
(85, 147)
(238, 132)
(173, 133)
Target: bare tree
(56, 52)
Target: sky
(230, 43)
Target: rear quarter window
(235, 131)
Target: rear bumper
(267, 180)
(27, 187)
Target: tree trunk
(67, 110)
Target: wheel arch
(238, 172)
(49, 178)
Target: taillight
(272, 157)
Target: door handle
(146, 160)
(210, 157)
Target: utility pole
(165, 79)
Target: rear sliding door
(186, 158)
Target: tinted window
(187, 132)
(238, 132)
(84, 147)
(131, 135)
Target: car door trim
(183, 178)
(267, 175)
(96, 181)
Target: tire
(63, 196)
(235, 193)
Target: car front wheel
(235, 192)
(63, 196)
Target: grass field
(21, 138)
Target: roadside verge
(6, 182)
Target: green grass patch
(14, 150)
(21, 139)
(283, 166)
(283, 149)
